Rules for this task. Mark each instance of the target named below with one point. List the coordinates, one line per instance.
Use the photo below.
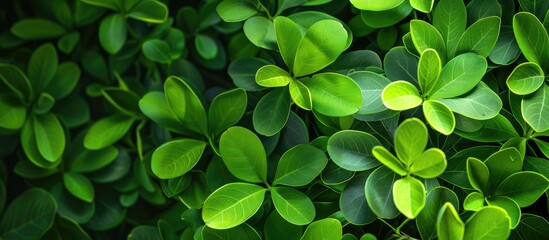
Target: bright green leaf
(400, 96)
(409, 196)
(177, 157)
(272, 76)
(526, 78)
(79, 186)
(243, 154)
(293, 205)
(439, 116)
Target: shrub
(263, 119)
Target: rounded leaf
(79, 186)
(272, 76)
(113, 33)
(107, 131)
(334, 95)
(293, 205)
(526, 78)
(175, 158)
(400, 96)
(243, 154)
(325, 229)
(439, 116)
(300, 165)
(37, 29)
(409, 196)
(488, 223)
(352, 150)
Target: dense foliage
(274, 119)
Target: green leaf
(261, 32)
(29, 216)
(411, 138)
(144, 232)
(409, 196)
(89, 161)
(506, 50)
(450, 18)
(151, 11)
(459, 75)
(429, 164)
(301, 95)
(478, 175)
(480, 38)
(400, 96)
(299, 166)
(113, 33)
(334, 95)
(316, 50)
(532, 227)
(106, 131)
(124, 101)
(65, 80)
(426, 220)
(272, 76)
(240, 232)
(449, 225)
(353, 203)
(14, 113)
(232, 204)
(42, 66)
(30, 146)
(276, 227)
(352, 150)
(439, 116)
(50, 136)
(526, 78)
(374, 5)
(43, 104)
(386, 18)
(288, 37)
(272, 112)
(155, 107)
(242, 71)
(37, 29)
(429, 68)
(110, 4)
(293, 205)
(243, 154)
(535, 108)
(379, 193)
(488, 223)
(175, 158)
(532, 38)
(399, 64)
(371, 85)
(79, 186)
(389, 160)
(236, 10)
(426, 36)
(523, 187)
(502, 164)
(226, 110)
(157, 50)
(17, 82)
(185, 104)
(325, 229)
(481, 103)
(422, 5)
(510, 206)
(473, 202)
(206, 46)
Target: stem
(401, 226)
(389, 225)
(266, 10)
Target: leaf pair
(411, 138)
(494, 221)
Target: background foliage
(274, 119)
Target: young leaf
(79, 186)
(344, 99)
(411, 138)
(479, 38)
(288, 37)
(478, 175)
(351, 150)
(429, 68)
(488, 223)
(449, 225)
(301, 95)
(459, 75)
(322, 43)
(236, 10)
(272, 112)
(423, 5)
(112, 33)
(473, 202)
(502, 164)
(374, 5)
(379, 192)
(325, 229)
(426, 220)
(151, 11)
(272, 76)
(107, 131)
(426, 36)
(226, 110)
(232, 204)
(450, 18)
(429, 164)
(50, 136)
(400, 96)
(439, 116)
(523, 187)
(389, 160)
(409, 196)
(526, 78)
(293, 205)
(175, 158)
(42, 66)
(481, 103)
(510, 206)
(535, 108)
(299, 166)
(532, 38)
(243, 154)
(29, 216)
